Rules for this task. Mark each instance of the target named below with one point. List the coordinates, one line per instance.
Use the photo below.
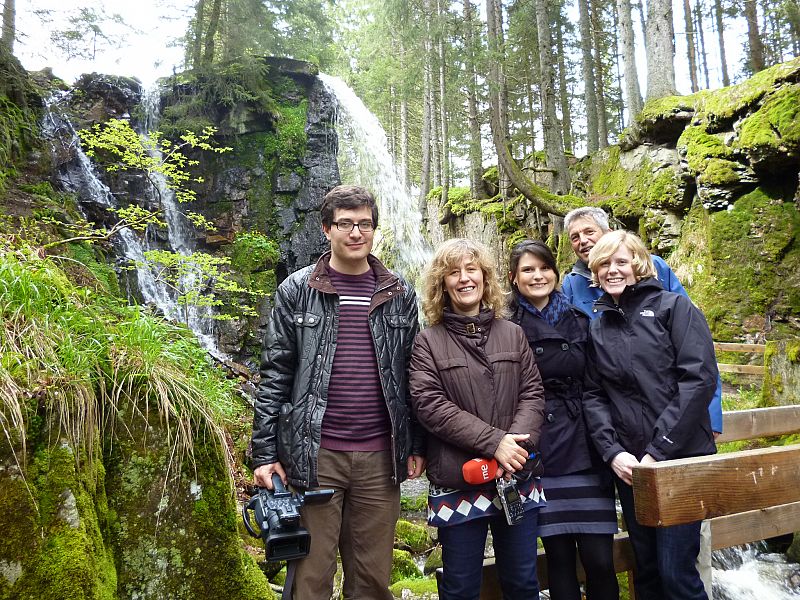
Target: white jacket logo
(647, 313)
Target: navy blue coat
(560, 353)
(650, 375)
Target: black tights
(597, 556)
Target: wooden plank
(759, 422)
(690, 489)
(754, 525)
(743, 369)
(732, 347)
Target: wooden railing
(748, 496)
(740, 369)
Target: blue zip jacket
(577, 287)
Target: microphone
(479, 470)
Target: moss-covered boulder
(794, 550)
(403, 566)
(742, 266)
(409, 536)
(433, 561)
(417, 588)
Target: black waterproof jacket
(296, 363)
(560, 353)
(650, 376)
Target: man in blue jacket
(585, 226)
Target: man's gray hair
(598, 215)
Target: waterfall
(750, 571)
(77, 174)
(364, 160)
(181, 234)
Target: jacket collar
(387, 286)
(631, 295)
(582, 269)
(477, 326)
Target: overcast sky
(148, 37)
(148, 43)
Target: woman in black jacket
(580, 515)
(651, 374)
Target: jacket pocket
(306, 319)
(398, 321)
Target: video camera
(277, 516)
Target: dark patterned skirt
(578, 503)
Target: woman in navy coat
(580, 516)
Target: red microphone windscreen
(479, 470)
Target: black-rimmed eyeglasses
(348, 226)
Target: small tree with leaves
(197, 279)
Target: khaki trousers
(360, 520)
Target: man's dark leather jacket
(296, 362)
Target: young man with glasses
(333, 409)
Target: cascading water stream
(364, 160)
(751, 572)
(78, 175)
(180, 236)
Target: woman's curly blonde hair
(448, 255)
(641, 263)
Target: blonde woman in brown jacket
(477, 391)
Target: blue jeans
(514, 551)
(665, 556)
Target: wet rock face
(322, 173)
(95, 98)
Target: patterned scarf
(551, 313)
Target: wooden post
(690, 489)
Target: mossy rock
(652, 182)
(434, 561)
(413, 537)
(420, 588)
(743, 264)
(403, 566)
(771, 136)
(794, 550)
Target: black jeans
(597, 557)
(665, 556)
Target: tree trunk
(599, 72)
(9, 25)
(755, 48)
(427, 109)
(592, 136)
(197, 42)
(726, 80)
(566, 112)
(553, 145)
(213, 25)
(497, 85)
(475, 152)
(442, 104)
(660, 35)
(698, 16)
(690, 44)
(405, 171)
(632, 91)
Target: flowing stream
(751, 571)
(78, 175)
(364, 160)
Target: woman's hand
(623, 464)
(510, 455)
